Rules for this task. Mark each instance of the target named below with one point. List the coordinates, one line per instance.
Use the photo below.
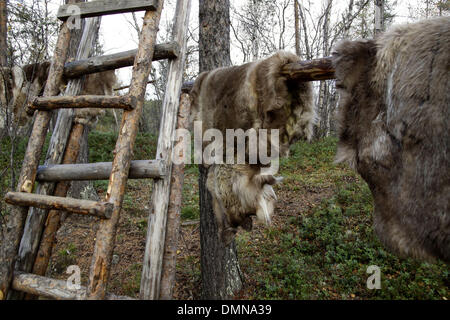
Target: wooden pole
(87, 101)
(174, 211)
(100, 265)
(114, 61)
(85, 207)
(309, 70)
(105, 7)
(139, 169)
(53, 289)
(154, 248)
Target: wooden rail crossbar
(53, 288)
(309, 70)
(104, 7)
(74, 69)
(85, 207)
(140, 169)
(89, 101)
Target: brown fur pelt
(28, 82)
(394, 130)
(239, 192)
(14, 91)
(95, 84)
(255, 95)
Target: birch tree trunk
(379, 16)
(3, 34)
(221, 274)
(297, 28)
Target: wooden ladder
(108, 210)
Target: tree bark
(3, 34)
(379, 16)
(221, 274)
(297, 29)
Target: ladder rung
(105, 7)
(85, 207)
(169, 50)
(140, 169)
(107, 102)
(52, 288)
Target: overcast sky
(117, 34)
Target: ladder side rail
(35, 222)
(154, 249)
(15, 224)
(100, 264)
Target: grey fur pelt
(394, 130)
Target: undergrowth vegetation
(324, 252)
(319, 247)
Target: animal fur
(25, 83)
(394, 130)
(255, 95)
(239, 192)
(95, 84)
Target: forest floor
(319, 246)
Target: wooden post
(114, 61)
(51, 288)
(100, 265)
(85, 207)
(86, 101)
(309, 70)
(16, 221)
(154, 248)
(139, 169)
(105, 7)
(174, 211)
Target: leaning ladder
(108, 210)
